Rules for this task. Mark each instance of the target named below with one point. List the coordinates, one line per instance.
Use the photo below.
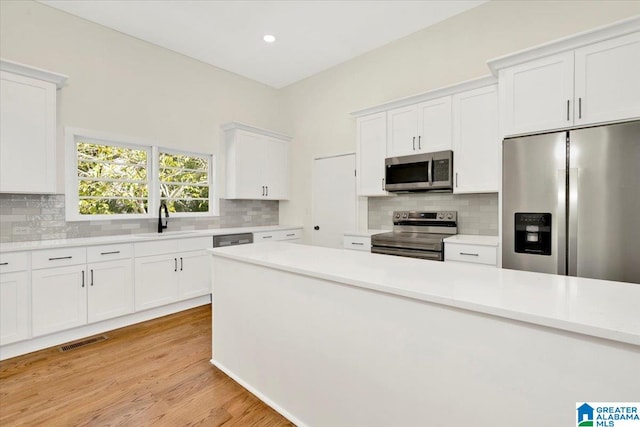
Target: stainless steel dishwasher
(232, 239)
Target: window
(111, 177)
(184, 182)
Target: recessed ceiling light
(269, 38)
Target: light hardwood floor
(152, 373)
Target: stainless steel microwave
(420, 172)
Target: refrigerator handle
(560, 222)
(572, 224)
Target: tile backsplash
(477, 213)
(41, 217)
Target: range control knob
(398, 215)
(440, 216)
(449, 216)
(405, 216)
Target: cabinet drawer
(470, 253)
(195, 243)
(58, 257)
(109, 252)
(13, 261)
(358, 243)
(265, 236)
(290, 234)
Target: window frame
(72, 211)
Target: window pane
(91, 152)
(111, 171)
(112, 206)
(103, 171)
(183, 191)
(111, 189)
(187, 205)
(183, 161)
(179, 175)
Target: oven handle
(430, 171)
(434, 256)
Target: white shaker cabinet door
(156, 281)
(27, 134)
(434, 125)
(402, 131)
(372, 150)
(537, 95)
(276, 169)
(476, 141)
(110, 289)
(195, 274)
(14, 307)
(248, 166)
(59, 298)
(607, 80)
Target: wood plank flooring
(152, 373)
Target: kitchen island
(346, 338)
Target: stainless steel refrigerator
(571, 202)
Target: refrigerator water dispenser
(533, 233)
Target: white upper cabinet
(607, 80)
(27, 128)
(476, 141)
(538, 95)
(258, 163)
(372, 150)
(434, 125)
(588, 79)
(419, 128)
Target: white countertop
(134, 238)
(471, 239)
(367, 233)
(597, 308)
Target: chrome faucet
(166, 217)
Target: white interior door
(334, 199)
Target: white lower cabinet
(171, 270)
(358, 243)
(69, 290)
(110, 292)
(472, 249)
(14, 298)
(59, 298)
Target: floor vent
(78, 344)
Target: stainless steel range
(417, 234)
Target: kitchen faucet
(166, 217)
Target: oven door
(411, 253)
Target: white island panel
(327, 338)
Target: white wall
(449, 52)
(122, 85)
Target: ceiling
(311, 35)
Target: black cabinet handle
(60, 257)
(567, 109)
(419, 138)
(579, 108)
(4, 263)
(468, 254)
(83, 278)
(414, 142)
(109, 253)
(263, 190)
(175, 264)
(267, 187)
(91, 277)
(357, 243)
(180, 263)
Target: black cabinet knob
(317, 227)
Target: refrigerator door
(605, 164)
(533, 181)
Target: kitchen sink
(165, 234)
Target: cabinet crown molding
(33, 72)
(426, 96)
(254, 129)
(575, 41)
